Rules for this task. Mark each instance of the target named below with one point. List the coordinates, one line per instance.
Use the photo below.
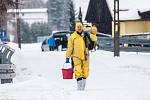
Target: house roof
(29, 10)
(131, 14)
(132, 6)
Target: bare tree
(4, 5)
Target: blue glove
(86, 33)
(67, 60)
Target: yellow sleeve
(93, 37)
(69, 48)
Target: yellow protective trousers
(81, 67)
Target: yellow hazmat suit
(78, 52)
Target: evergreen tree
(80, 15)
(4, 6)
(29, 34)
(72, 15)
(24, 31)
(58, 14)
(38, 29)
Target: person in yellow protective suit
(93, 30)
(79, 53)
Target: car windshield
(61, 34)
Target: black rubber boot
(79, 84)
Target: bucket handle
(64, 65)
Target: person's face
(79, 28)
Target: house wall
(135, 27)
(132, 27)
(148, 26)
(122, 30)
(11, 30)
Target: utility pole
(116, 28)
(18, 24)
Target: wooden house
(99, 14)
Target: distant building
(28, 15)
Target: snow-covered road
(39, 77)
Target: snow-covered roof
(29, 10)
(133, 7)
(132, 14)
(144, 10)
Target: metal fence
(7, 68)
(128, 44)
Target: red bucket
(67, 73)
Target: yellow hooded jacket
(76, 46)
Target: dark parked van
(61, 39)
